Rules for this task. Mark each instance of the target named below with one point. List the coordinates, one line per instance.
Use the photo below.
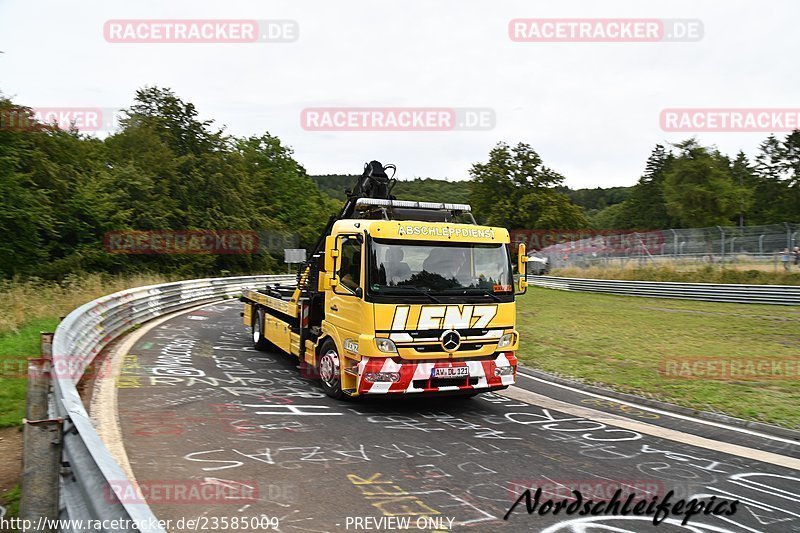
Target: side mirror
(331, 253)
(522, 259)
(522, 286)
(522, 266)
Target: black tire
(329, 371)
(260, 343)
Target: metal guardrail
(709, 292)
(86, 490)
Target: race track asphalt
(216, 431)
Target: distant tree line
(62, 191)
(165, 169)
(684, 185)
(688, 185)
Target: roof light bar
(363, 203)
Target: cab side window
(350, 266)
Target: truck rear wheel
(329, 370)
(259, 341)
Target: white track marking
(533, 398)
(665, 413)
(103, 408)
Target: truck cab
(402, 298)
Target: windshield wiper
(484, 292)
(420, 291)
(493, 295)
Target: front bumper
(416, 376)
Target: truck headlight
(506, 340)
(373, 377)
(386, 345)
(503, 370)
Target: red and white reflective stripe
(478, 369)
(412, 371)
(384, 386)
(423, 370)
(502, 360)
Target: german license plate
(450, 372)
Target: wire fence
(755, 245)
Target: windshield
(439, 268)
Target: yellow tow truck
(397, 297)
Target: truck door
(344, 303)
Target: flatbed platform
(278, 299)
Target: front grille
(490, 357)
(445, 382)
(466, 347)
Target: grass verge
(28, 307)
(685, 274)
(15, 348)
(621, 342)
(12, 497)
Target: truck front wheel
(259, 342)
(329, 368)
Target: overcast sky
(591, 110)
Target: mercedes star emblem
(451, 340)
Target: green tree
(645, 208)
(791, 156)
(791, 167)
(593, 200)
(165, 169)
(288, 197)
(25, 209)
(775, 183)
(770, 159)
(173, 120)
(608, 218)
(699, 189)
(743, 175)
(514, 189)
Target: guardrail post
(41, 454)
